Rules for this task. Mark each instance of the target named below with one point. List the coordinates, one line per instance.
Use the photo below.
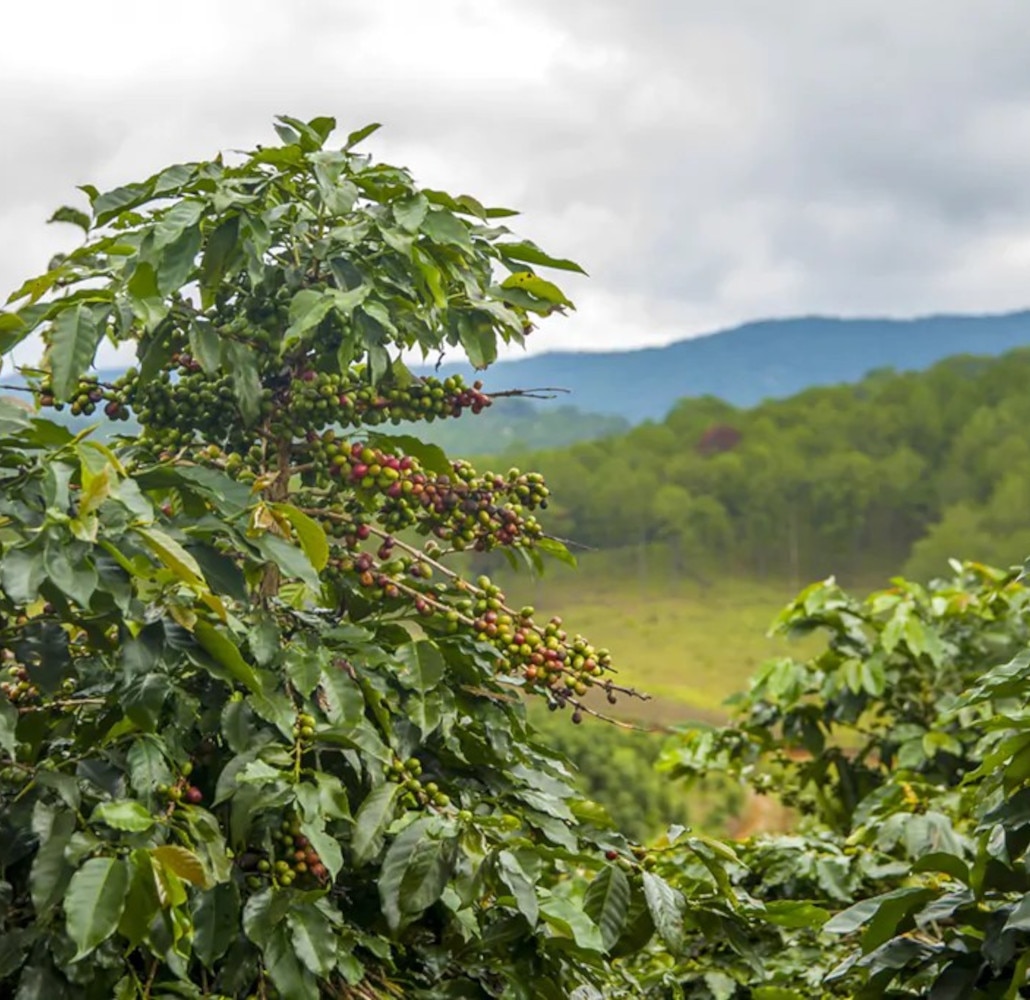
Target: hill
(847, 479)
(756, 361)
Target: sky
(708, 163)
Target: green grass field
(689, 645)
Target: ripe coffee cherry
(194, 795)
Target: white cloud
(706, 163)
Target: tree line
(900, 469)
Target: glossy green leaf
(124, 814)
(94, 902)
(216, 922)
(607, 902)
(73, 341)
(73, 215)
(313, 937)
(419, 666)
(567, 919)
(531, 254)
(666, 906)
(370, 823)
(519, 883)
(219, 646)
(310, 534)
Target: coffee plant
(903, 747)
(258, 736)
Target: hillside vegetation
(896, 471)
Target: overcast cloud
(707, 162)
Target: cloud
(706, 163)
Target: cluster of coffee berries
(293, 858)
(464, 508)
(314, 400)
(182, 405)
(304, 728)
(18, 689)
(407, 774)
(547, 657)
(182, 790)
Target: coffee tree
(903, 745)
(258, 736)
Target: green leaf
(314, 938)
(883, 913)
(310, 534)
(205, 345)
(480, 343)
(111, 203)
(8, 724)
(607, 901)
(246, 381)
(176, 265)
(216, 921)
(22, 572)
(145, 297)
(73, 341)
(361, 134)
(563, 916)
(556, 550)
(777, 993)
(411, 212)
(445, 228)
(327, 847)
(13, 330)
(173, 555)
(795, 914)
(666, 906)
(527, 281)
(522, 887)
(73, 215)
(291, 560)
(374, 816)
(431, 456)
(218, 254)
(304, 667)
(940, 861)
(264, 912)
(290, 978)
(94, 902)
(51, 872)
(183, 215)
(420, 666)
(124, 814)
(415, 870)
(532, 254)
(147, 766)
(307, 309)
(76, 578)
(221, 648)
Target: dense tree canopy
(853, 479)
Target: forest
(899, 472)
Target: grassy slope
(690, 645)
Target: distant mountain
(756, 361)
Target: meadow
(689, 643)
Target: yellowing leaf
(310, 534)
(173, 555)
(183, 863)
